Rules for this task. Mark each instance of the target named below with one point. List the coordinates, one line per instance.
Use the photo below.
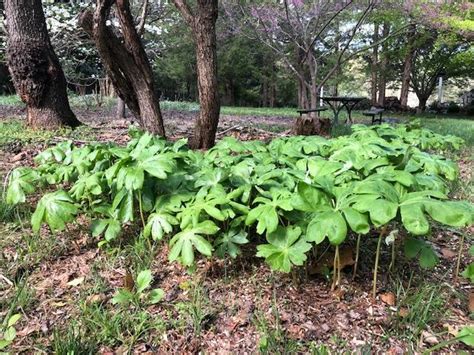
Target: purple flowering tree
(312, 38)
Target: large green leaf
(413, 219)
(56, 209)
(452, 213)
(359, 222)
(229, 243)
(183, 243)
(159, 224)
(286, 248)
(20, 183)
(419, 248)
(330, 224)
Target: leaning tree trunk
(35, 68)
(126, 62)
(202, 22)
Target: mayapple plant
(285, 197)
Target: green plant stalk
(336, 270)
(140, 207)
(392, 261)
(377, 257)
(458, 263)
(356, 262)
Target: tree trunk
(120, 114)
(126, 62)
(383, 66)
(203, 26)
(405, 88)
(422, 103)
(374, 66)
(35, 68)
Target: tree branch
(185, 11)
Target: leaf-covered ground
(62, 284)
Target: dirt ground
(225, 306)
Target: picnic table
(306, 111)
(337, 103)
(373, 113)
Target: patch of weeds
(423, 306)
(197, 309)
(114, 327)
(22, 298)
(319, 349)
(73, 341)
(462, 189)
(18, 214)
(273, 337)
(141, 253)
(7, 212)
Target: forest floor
(62, 284)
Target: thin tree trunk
(35, 69)
(203, 26)
(374, 66)
(383, 66)
(407, 64)
(126, 62)
(120, 114)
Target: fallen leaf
(388, 298)
(95, 299)
(448, 254)
(471, 302)
(76, 282)
(429, 338)
(326, 261)
(128, 282)
(403, 312)
(452, 329)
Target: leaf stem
(336, 273)
(377, 257)
(356, 263)
(392, 262)
(140, 207)
(458, 263)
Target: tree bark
(126, 62)
(203, 27)
(120, 114)
(422, 103)
(35, 69)
(374, 66)
(407, 64)
(383, 66)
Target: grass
(461, 128)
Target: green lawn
(462, 126)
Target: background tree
(34, 66)
(314, 39)
(438, 56)
(202, 21)
(126, 61)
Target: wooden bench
(318, 110)
(373, 112)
